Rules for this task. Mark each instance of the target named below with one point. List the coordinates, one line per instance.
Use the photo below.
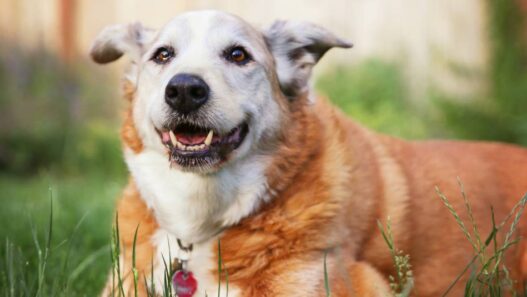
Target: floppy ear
(297, 47)
(117, 40)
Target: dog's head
(210, 88)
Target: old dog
(232, 156)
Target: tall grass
(47, 271)
(489, 277)
(402, 283)
(62, 252)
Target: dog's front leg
(306, 278)
(365, 281)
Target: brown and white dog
(225, 142)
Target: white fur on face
(238, 93)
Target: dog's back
(493, 176)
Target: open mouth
(194, 146)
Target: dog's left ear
(297, 47)
(117, 40)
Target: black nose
(185, 93)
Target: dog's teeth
(208, 140)
(179, 145)
(173, 137)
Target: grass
(402, 283)
(489, 276)
(73, 260)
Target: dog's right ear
(117, 40)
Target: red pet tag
(183, 280)
(184, 283)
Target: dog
(241, 176)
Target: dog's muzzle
(201, 148)
(186, 93)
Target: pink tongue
(191, 139)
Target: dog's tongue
(191, 139)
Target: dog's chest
(195, 207)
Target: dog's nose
(185, 93)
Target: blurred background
(419, 69)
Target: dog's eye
(238, 55)
(163, 55)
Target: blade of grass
(117, 255)
(134, 269)
(512, 229)
(167, 286)
(68, 252)
(152, 286)
(326, 278)
(219, 267)
(87, 262)
(10, 268)
(480, 249)
(459, 276)
(43, 259)
(458, 219)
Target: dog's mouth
(191, 146)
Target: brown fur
(129, 134)
(331, 180)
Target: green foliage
(59, 253)
(502, 115)
(93, 148)
(489, 277)
(55, 117)
(373, 93)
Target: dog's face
(210, 88)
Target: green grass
(402, 283)
(489, 276)
(76, 259)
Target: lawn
(79, 254)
